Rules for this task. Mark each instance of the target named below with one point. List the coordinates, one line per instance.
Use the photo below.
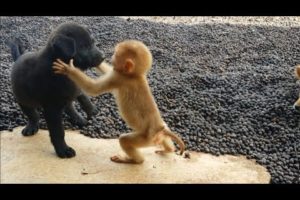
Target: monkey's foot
(120, 159)
(163, 151)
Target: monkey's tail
(297, 71)
(16, 46)
(176, 138)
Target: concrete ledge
(32, 160)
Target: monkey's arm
(104, 67)
(90, 86)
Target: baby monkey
(297, 73)
(126, 80)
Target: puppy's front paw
(66, 152)
(30, 129)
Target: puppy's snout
(100, 57)
(97, 57)
(97, 46)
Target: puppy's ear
(63, 46)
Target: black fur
(17, 48)
(35, 85)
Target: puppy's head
(71, 40)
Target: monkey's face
(132, 57)
(118, 60)
(113, 61)
(297, 105)
(74, 41)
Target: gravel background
(226, 84)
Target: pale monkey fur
(297, 73)
(128, 82)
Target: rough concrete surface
(32, 160)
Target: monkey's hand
(61, 67)
(104, 68)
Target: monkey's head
(297, 74)
(71, 40)
(132, 57)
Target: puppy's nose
(296, 107)
(97, 58)
(101, 56)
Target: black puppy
(35, 85)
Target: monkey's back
(137, 105)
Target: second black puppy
(35, 85)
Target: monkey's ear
(63, 46)
(129, 66)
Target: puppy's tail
(297, 71)
(16, 46)
(176, 138)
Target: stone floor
(32, 160)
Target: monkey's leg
(33, 116)
(76, 118)
(168, 146)
(86, 104)
(129, 143)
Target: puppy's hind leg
(86, 104)
(76, 118)
(32, 126)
